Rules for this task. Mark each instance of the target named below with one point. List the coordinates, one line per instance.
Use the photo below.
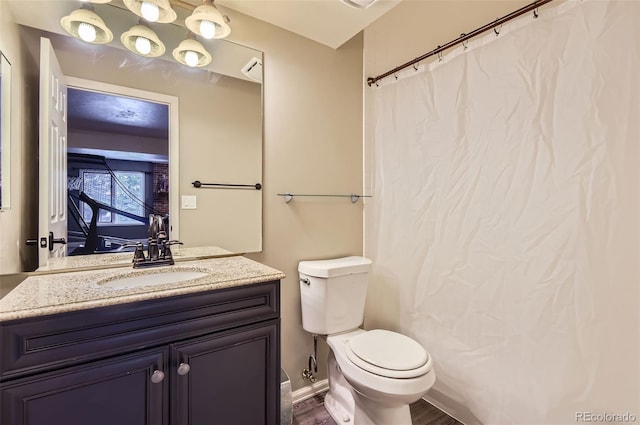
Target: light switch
(189, 202)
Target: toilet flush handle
(305, 280)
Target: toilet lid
(388, 354)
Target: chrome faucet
(155, 222)
(159, 251)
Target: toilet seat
(388, 354)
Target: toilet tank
(333, 294)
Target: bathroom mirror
(5, 132)
(219, 121)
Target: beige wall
(415, 27)
(15, 223)
(312, 144)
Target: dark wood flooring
(312, 412)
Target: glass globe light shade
(191, 53)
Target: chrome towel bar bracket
(288, 197)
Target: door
(228, 378)
(52, 222)
(122, 390)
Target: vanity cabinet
(204, 358)
(114, 391)
(225, 379)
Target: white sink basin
(158, 277)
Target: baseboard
(309, 391)
(452, 408)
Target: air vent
(253, 69)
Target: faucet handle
(167, 248)
(138, 255)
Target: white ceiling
(330, 22)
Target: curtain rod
(464, 37)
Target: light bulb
(143, 45)
(150, 11)
(191, 58)
(87, 32)
(207, 29)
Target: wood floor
(312, 412)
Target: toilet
(373, 375)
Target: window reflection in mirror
(5, 131)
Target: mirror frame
(5, 132)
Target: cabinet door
(232, 377)
(120, 390)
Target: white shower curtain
(506, 214)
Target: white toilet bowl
(357, 365)
(373, 375)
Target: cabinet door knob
(183, 369)
(157, 376)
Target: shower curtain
(505, 216)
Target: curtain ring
(535, 13)
(465, 43)
(497, 30)
(439, 55)
(415, 67)
(395, 74)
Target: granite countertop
(88, 262)
(44, 294)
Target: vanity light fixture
(207, 21)
(86, 25)
(152, 10)
(143, 41)
(191, 53)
